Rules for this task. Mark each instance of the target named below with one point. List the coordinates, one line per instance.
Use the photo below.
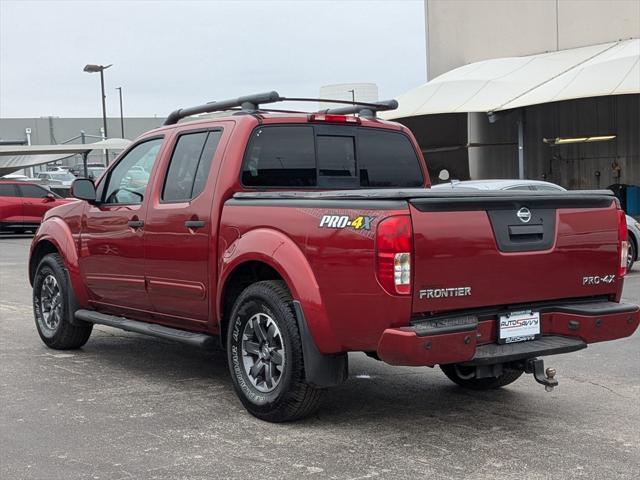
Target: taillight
(623, 237)
(331, 118)
(393, 249)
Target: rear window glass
(387, 159)
(299, 156)
(336, 156)
(280, 157)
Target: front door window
(127, 182)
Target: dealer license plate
(518, 327)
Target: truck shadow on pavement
(374, 393)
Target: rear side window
(202, 172)
(330, 157)
(189, 165)
(32, 191)
(280, 157)
(387, 159)
(8, 190)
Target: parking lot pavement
(133, 407)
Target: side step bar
(201, 340)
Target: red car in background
(23, 204)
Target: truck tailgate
(490, 250)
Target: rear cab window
(280, 156)
(330, 156)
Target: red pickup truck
(292, 238)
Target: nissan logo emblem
(524, 214)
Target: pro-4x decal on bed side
(361, 222)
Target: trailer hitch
(542, 376)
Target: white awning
(70, 148)
(506, 83)
(16, 157)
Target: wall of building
(54, 130)
(498, 157)
(465, 31)
(443, 140)
(574, 166)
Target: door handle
(135, 223)
(194, 223)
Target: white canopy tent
(16, 157)
(508, 84)
(512, 82)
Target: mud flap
(320, 370)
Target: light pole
(94, 69)
(121, 116)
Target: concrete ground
(132, 407)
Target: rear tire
(632, 254)
(54, 306)
(264, 353)
(457, 374)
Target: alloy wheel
(263, 353)
(50, 303)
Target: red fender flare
(280, 252)
(57, 232)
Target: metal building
(56, 130)
(542, 89)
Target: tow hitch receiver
(542, 376)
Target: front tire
(54, 306)
(264, 352)
(460, 375)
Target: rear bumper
(470, 339)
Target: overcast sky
(168, 54)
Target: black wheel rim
(263, 353)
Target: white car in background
(56, 179)
(58, 168)
(540, 186)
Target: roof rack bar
(248, 102)
(251, 103)
(365, 110)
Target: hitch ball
(550, 373)
(542, 376)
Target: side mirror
(50, 197)
(84, 189)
